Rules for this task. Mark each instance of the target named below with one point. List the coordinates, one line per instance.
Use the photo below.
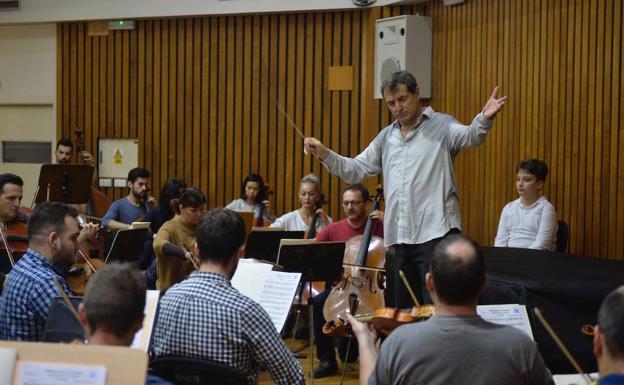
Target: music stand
(127, 245)
(67, 183)
(321, 261)
(265, 244)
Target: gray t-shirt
(459, 350)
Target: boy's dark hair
(535, 167)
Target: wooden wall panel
(201, 95)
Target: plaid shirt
(205, 317)
(26, 300)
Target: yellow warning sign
(118, 157)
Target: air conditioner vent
(9, 5)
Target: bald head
(458, 270)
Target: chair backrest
(562, 237)
(193, 371)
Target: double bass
(99, 203)
(359, 292)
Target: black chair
(562, 237)
(193, 371)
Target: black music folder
(264, 244)
(127, 245)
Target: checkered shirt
(205, 317)
(26, 300)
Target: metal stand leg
(311, 334)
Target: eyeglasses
(351, 203)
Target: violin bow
(409, 288)
(6, 244)
(559, 343)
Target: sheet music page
(277, 296)
(249, 278)
(46, 373)
(508, 314)
(142, 337)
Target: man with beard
(53, 235)
(124, 211)
(65, 150)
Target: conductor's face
(403, 105)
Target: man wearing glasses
(355, 203)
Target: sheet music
(509, 314)
(273, 290)
(142, 337)
(249, 278)
(46, 373)
(277, 296)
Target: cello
(98, 203)
(359, 292)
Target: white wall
(27, 93)
(66, 10)
(27, 64)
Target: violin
(359, 288)
(80, 272)
(14, 235)
(384, 320)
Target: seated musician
(11, 191)
(126, 210)
(530, 221)
(65, 151)
(205, 317)
(609, 339)
(253, 194)
(455, 345)
(355, 203)
(112, 309)
(309, 196)
(174, 241)
(53, 236)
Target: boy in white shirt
(530, 221)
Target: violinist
(53, 236)
(355, 203)
(455, 345)
(205, 317)
(11, 191)
(608, 339)
(174, 241)
(309, 197)
(65, 151)
(254, 197)
(126, 210)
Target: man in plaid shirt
(205, 317)
(53, 239)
